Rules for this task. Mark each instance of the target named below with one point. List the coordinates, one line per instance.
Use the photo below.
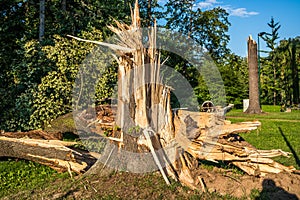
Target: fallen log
(56, 154)
(34, 134)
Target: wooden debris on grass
(199, 136)
(56, 154)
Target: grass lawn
(18, 175)
(279, 130)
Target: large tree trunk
(254, 99)
(42, 20)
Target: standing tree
(208, 28)
(294, 43)
(235, 70)
(270, 39)
(254, 102)
(288, 57)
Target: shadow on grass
(271, 191)
(290, 147)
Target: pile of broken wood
(194, 136)
(198, 142)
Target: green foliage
(209, 30)
(27, 73)
(271, 38)
(106, 85)
(270, 70)
(280, 69)
(286, 57)
(235, 77)
(208, 27)
(53, 97)
(36, 78)
(149, 12)
(210, 84)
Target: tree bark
(149, 13)
(254, 99)
(42, 20)
(64, 5)
(144, 102)
(53, 153)
(295, 75)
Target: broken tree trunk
(56, 154)
(144, 106)
(254, 102)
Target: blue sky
(249, 17)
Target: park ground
(27, 180)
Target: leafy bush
(53, 96)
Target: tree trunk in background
(149, 14)
(42, 20)
(64, 5)
(254, 102)
(274, 85)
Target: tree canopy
(37, 76)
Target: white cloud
(206, 4)
(238, 12)
(209, 4)
(241, 12)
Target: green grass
(18, 175)
(279, 130)
(270, 112)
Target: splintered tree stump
(145, 122)
(144, 102)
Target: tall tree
(23, 61)
(294, 43)
(150, 10)
(209, 28)
(288, 56)
(271, 41)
